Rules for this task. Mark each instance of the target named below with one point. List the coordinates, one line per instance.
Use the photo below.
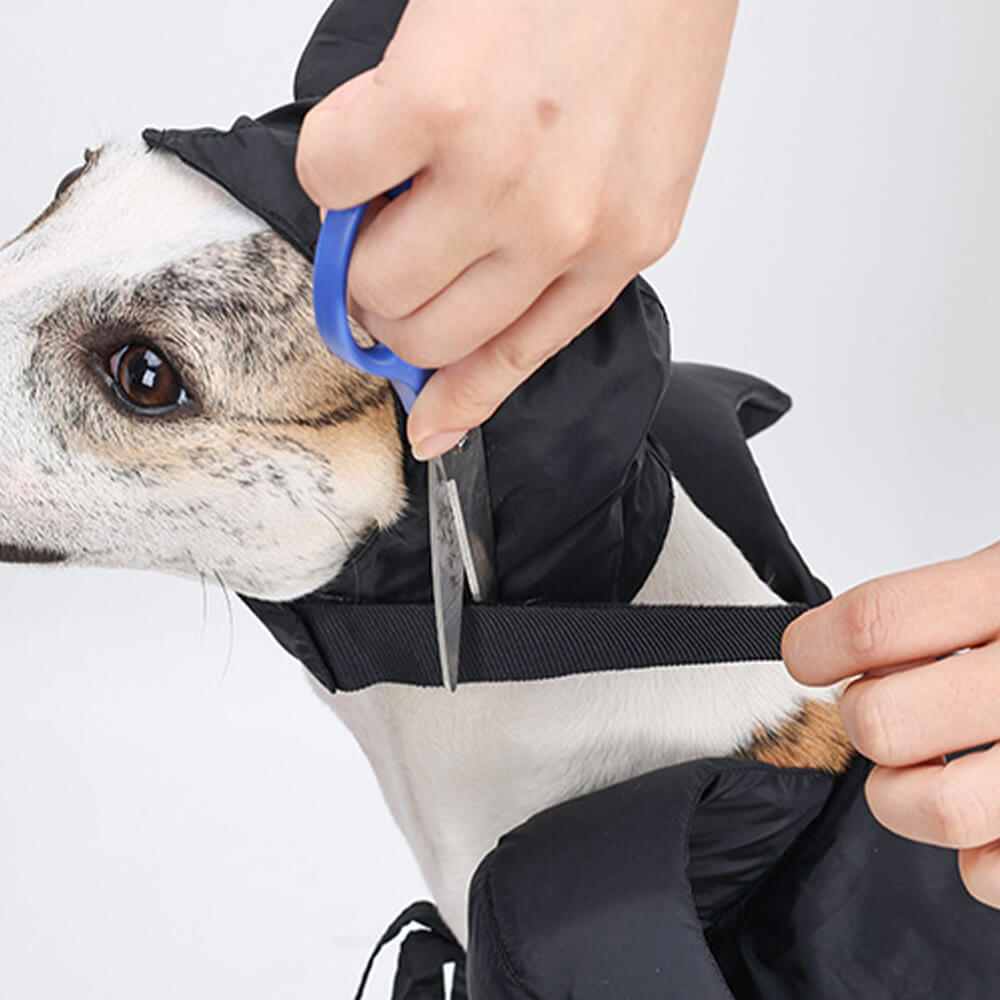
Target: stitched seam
(648, 292)
(813, 773)
(501, 945)
(737, 907)
(316, 648)
(689, 894)
(286, 229)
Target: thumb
(361, 140)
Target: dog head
(165, 399)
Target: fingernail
(436, 444)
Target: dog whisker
(204, 606)
(329, 518)
(229, 613)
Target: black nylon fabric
(714, 879)
(583, 419)
(704, 420)
(719, 879)
(706, 417)
(578, 457)
(419, 972)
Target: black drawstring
(422, 957)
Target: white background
(171, 826)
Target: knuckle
(646, 228)
(875, 724)
(647, 239)
(958, 813)
(376, 295)
(570, 231)
(446, 108)
(473, 396)
(420, 351)
(519, 356)
(867, 620)
(659, 243)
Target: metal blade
(447, 571)
(465, 467)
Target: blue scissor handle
(333, 255)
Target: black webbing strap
(422, 957)
(365, 644)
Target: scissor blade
(447, 576)
(465, 467)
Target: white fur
(127, 494)
(457, 770)
(136, 212)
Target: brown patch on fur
(235, 321)
(813, 737)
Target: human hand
(553, 148)
(911, 706)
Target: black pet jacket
(709, 880)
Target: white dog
(167, 403)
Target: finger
(906, 616)
(375, 206)
(360, 143)
(949, 805)
(466, 393)
(979, 868)
(935, 707)
(481, 303)
(414, 249)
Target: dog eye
(144, 379)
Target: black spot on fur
(20, 554)
(90, 156)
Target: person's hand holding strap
(915, 703)
(554, 146)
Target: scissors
(458, 499)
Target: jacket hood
(584, 418)
(599, 415)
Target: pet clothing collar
(595, 415)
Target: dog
(168, 405)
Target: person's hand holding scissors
(553, 148)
